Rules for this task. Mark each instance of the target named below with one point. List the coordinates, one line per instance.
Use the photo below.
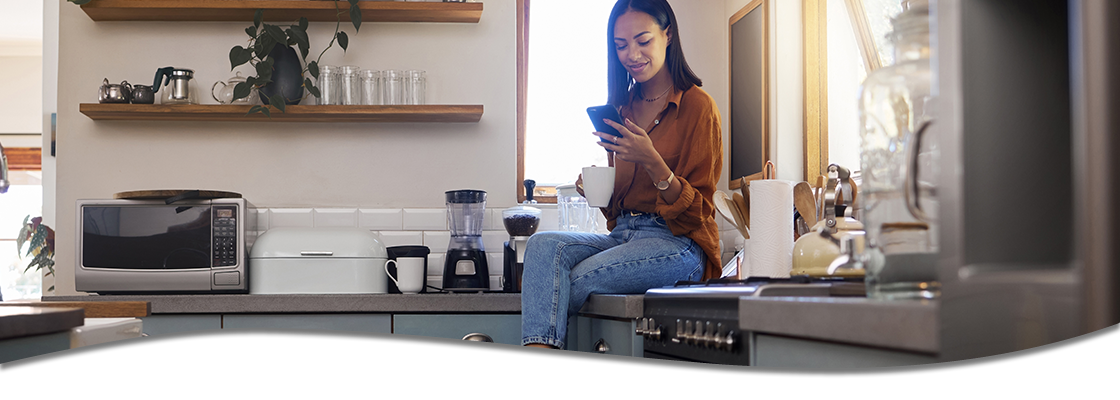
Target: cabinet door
(167, 324)
(371, 323)
(608, 336)
(500, 328)
(783, 352)
(31, 346)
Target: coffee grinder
(521, 222)
(465, 267)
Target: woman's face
(640, 44)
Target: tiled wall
(428, 227)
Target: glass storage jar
(898, 168)
(575, 214)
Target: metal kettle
(178, 85)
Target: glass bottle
(895, 111)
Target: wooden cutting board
(161, 194)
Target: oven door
(145, 245)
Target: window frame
(815, 63)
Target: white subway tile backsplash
(335, 217)
(435, 263)
(493, 241)
(437, 241)
(290, 217)
(550, 220)
(425, 219)
(495, 282)
(495, 261)
(381, 219)
(262, 220)
(401, 238)
(435, 281)
(493, 220)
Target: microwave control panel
(225, 236)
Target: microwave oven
(149, 246)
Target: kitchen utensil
(744, 209)
(398, 252)
(114, 93)
(598, 185)
(745, 190)
(804, 202)
(410, 273)
(819, 195)
(225, 94)
(465, 268)
(727, 208)
(143, 94)
(177, 84)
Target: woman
(667, 163)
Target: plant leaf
(264, 70)
(264, 46)
(311, 87)
(237, 56)
(277, 101)
(264, 110)
(257, 17)
(300, 37)
(251, 31)
(276, 33)
(38, 239)
(253, 109)
(303, 24)
(242, 90)
(313, 68)
(355, 15)
(24, 234)
(79, 2)
(343, 40)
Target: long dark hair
(619, 80)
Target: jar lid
(182, 72)
(521, 210)
(465, 196)
(567, 190)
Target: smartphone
(598, 114)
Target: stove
(699, 321)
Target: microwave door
(147, 237)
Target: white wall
(313, 164)
(21, 102)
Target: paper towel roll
(771, 228)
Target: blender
(465, 267)
(520, 222)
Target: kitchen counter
(620, 306)
(31, 331)
(318, 303)
(908, 325)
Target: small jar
(415, 86)
(371, 87)
(575, 214)
(351, 88)
(392, 87)
(329, 85)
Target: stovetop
(800, 285)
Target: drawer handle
(478, 337)
(317, 253)
(602, 347)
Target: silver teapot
(112, 93)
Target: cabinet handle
(478, 337)
(601, 346)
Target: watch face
(662, 185)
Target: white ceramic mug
(598, 185)
(410, 274)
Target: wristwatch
(665, 183)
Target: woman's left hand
(634, 146)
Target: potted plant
(41, 245)
(279, 74)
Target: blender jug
(465, 266)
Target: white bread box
(317, 261)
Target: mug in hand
(598, 185)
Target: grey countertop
(27, 321)
(611, 306)
(909, 325)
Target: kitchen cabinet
(366, 323)
(31, 346)
(608, 336)
(500, 328)
(158, 325)
(771, 351)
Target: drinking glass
(351, 86)
(329, 82)
(371, 87)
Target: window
(561, 72)
(24, 197)
(845, 40)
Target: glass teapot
(225, 94)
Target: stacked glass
(371, 87)
(414, 86)
(351, 88)
(330, 82)
(392, 87)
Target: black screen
(146, 237)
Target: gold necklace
(643, 95)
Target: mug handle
(391, 275)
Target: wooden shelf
(236, 113)
(279, 11)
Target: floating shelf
(236, 113)
(283, 11)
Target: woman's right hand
(579, 185)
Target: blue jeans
(563, 268)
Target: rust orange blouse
(687, 135)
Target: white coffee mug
(410, 274)
(598, 185)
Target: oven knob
(689, 338)
(729, 341)
(711, 336)
(640, 328)
(702, 334)
(678, 333)
(655, 331)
